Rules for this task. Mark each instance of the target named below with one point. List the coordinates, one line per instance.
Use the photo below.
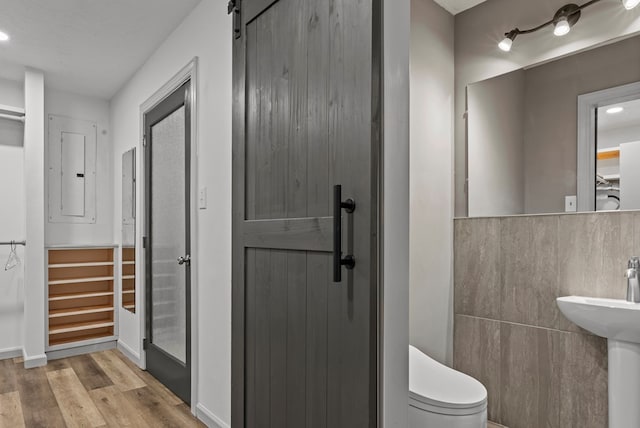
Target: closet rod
(11, 117)
(14, 243)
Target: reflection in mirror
(128, 267)
(618, 156)
(525, 143)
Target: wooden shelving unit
(81, 296)
(128, 270)
(611, 153)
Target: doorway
(167, 137)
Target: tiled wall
(540, 370)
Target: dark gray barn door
(306, 108)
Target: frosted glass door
(167, 228)
(168, 235)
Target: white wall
(615, 137)
(95, 110)
(395, 215)
(477, 57)
(205, 33)
(34, 262)
(496, 130)
(12, 222)
(431, 179)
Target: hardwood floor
(103, 389)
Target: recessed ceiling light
(615, 110)
(3, 36)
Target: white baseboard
(33, 361)
(7, 353)
(208, 418)
(130, 353)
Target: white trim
(129, 353)
(80, 350)
(34, 361)
(587, 105)
(8, 353)
(10, 110)
(208, 418)
(188, 73)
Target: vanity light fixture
(565, 18)
(4, 36)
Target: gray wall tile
(541, 377)
(477, 353)
(529, 257)
(529, 384)
(636, 233)
(582, 368)
(592, 257)
(477, 267)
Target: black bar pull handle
(338, 261)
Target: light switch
(202, 198)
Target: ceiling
(456, 6)
(630, 117)
(89, 47)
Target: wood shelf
(74, 265)
(129, 306)
(128, 277)
(70, 296)
(612, 153)
(81, 280)
(80, 326)
(128, 291)
(129, 262)
(59, 342)
(59, 313)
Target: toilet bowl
(440, 397)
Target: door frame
(587, 106)
(377, 207)
(188, 73)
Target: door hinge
(145, 343)
(234, 7)
(144, 140)
(144, 242)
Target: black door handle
(338, 261)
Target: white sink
(610, 318)
(619, 322)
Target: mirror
(557, 137)
(128, 258)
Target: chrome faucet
(633, 280)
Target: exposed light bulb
(3, 36)
(505, 44)
(562, 27)
(615, 110)
(630, 4)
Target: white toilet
(440, 397)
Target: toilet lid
(435, 384)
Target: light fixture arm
(563, 12)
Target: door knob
(186, 259)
